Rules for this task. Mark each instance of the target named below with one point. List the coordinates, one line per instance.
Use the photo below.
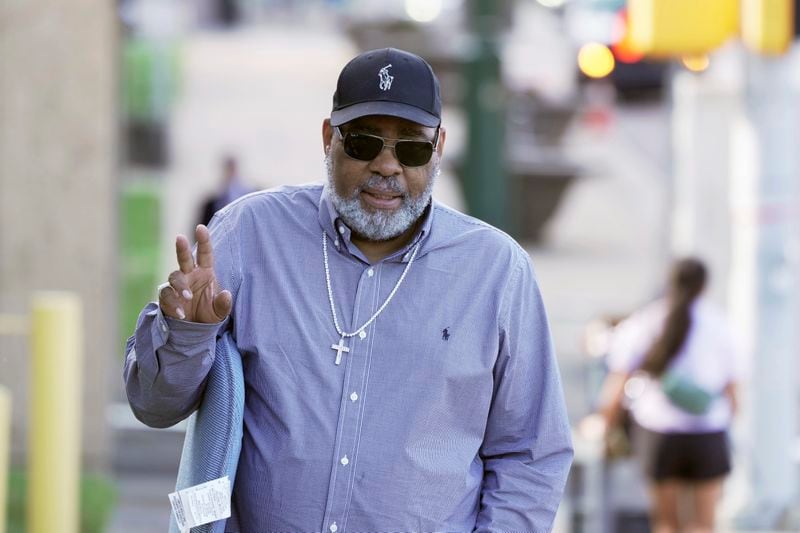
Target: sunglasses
(366, 147)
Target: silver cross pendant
(339, 349)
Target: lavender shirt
(447, 415)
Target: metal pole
(55, 424)
(484, 169)
(764, 287)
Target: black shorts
(682, 456)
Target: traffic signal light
(768, 26)
(681, 27)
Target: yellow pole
(55, 425)
(5, 448)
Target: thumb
(223, 302)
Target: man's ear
(327, 135)
(442, 136)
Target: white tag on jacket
(201, 504)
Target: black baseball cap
(390, 82)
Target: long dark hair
(687, 280)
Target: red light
(624, 50)
(626, 54)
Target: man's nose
(386, 163)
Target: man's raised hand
(192, 292)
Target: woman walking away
(674, 361)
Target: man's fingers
(184, 252)
(169, 302)
(223, 302)
(205, 252)
(179, 281)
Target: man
(231, 188)
(398, 366)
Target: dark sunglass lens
(363, 147)
(413, 153)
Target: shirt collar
(339, 233)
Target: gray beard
(379, 225)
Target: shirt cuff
(182, 333)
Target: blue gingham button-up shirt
(447, 413)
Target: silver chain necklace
(340, 348)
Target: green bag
(685, 394)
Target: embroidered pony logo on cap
(386, 78)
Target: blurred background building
(607, 136)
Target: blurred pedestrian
(231, 188)
(675, 362)
(228, 12)
(398, 365)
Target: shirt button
(370, 272)
(406, 257)
(362, 334)
(341, 230)
(336, 242)
(353, 397)
(344, 460)
(163, 327)
(334, 528)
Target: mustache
(383, 184)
